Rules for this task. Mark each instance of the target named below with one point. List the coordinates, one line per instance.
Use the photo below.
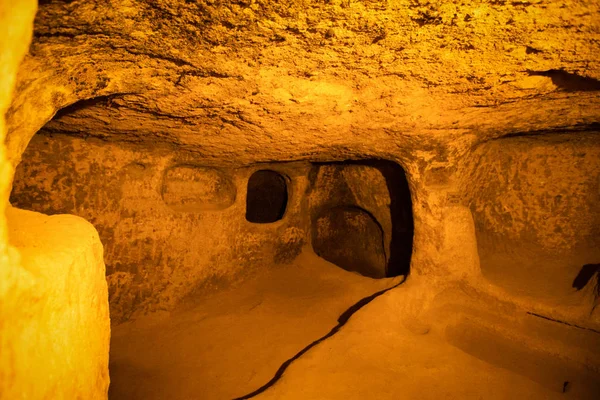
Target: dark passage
(351, 238)
(267, 197)
(362, 216)
(585, 275)
(401, 241)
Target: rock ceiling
(263, 80)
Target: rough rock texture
(535, 206)
(258, 80)
(54, 323)
(173, 227)
(191, 188)
(14, 41)
(228, 84)
(420, 83)
(59, 332)
(158, 252)
(467, 98)
(543, 189)
(416, 82)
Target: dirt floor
(233, 344)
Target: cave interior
(334, 199)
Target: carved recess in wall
(190, 188)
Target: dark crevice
(425, 18)
(401, 213)
(104, 100)
(57, 34)
(191, 70)
(569, 82)
(72, 33)
(585, 275)
(579, 128)
(532, 50)
(542, 134)
(207, 73)
(44, 2)
(177, 61)
(342, 320)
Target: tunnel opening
(266, 198)
(362, 216)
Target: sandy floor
(233, 343)
(367, 360)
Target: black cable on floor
(342, 319)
